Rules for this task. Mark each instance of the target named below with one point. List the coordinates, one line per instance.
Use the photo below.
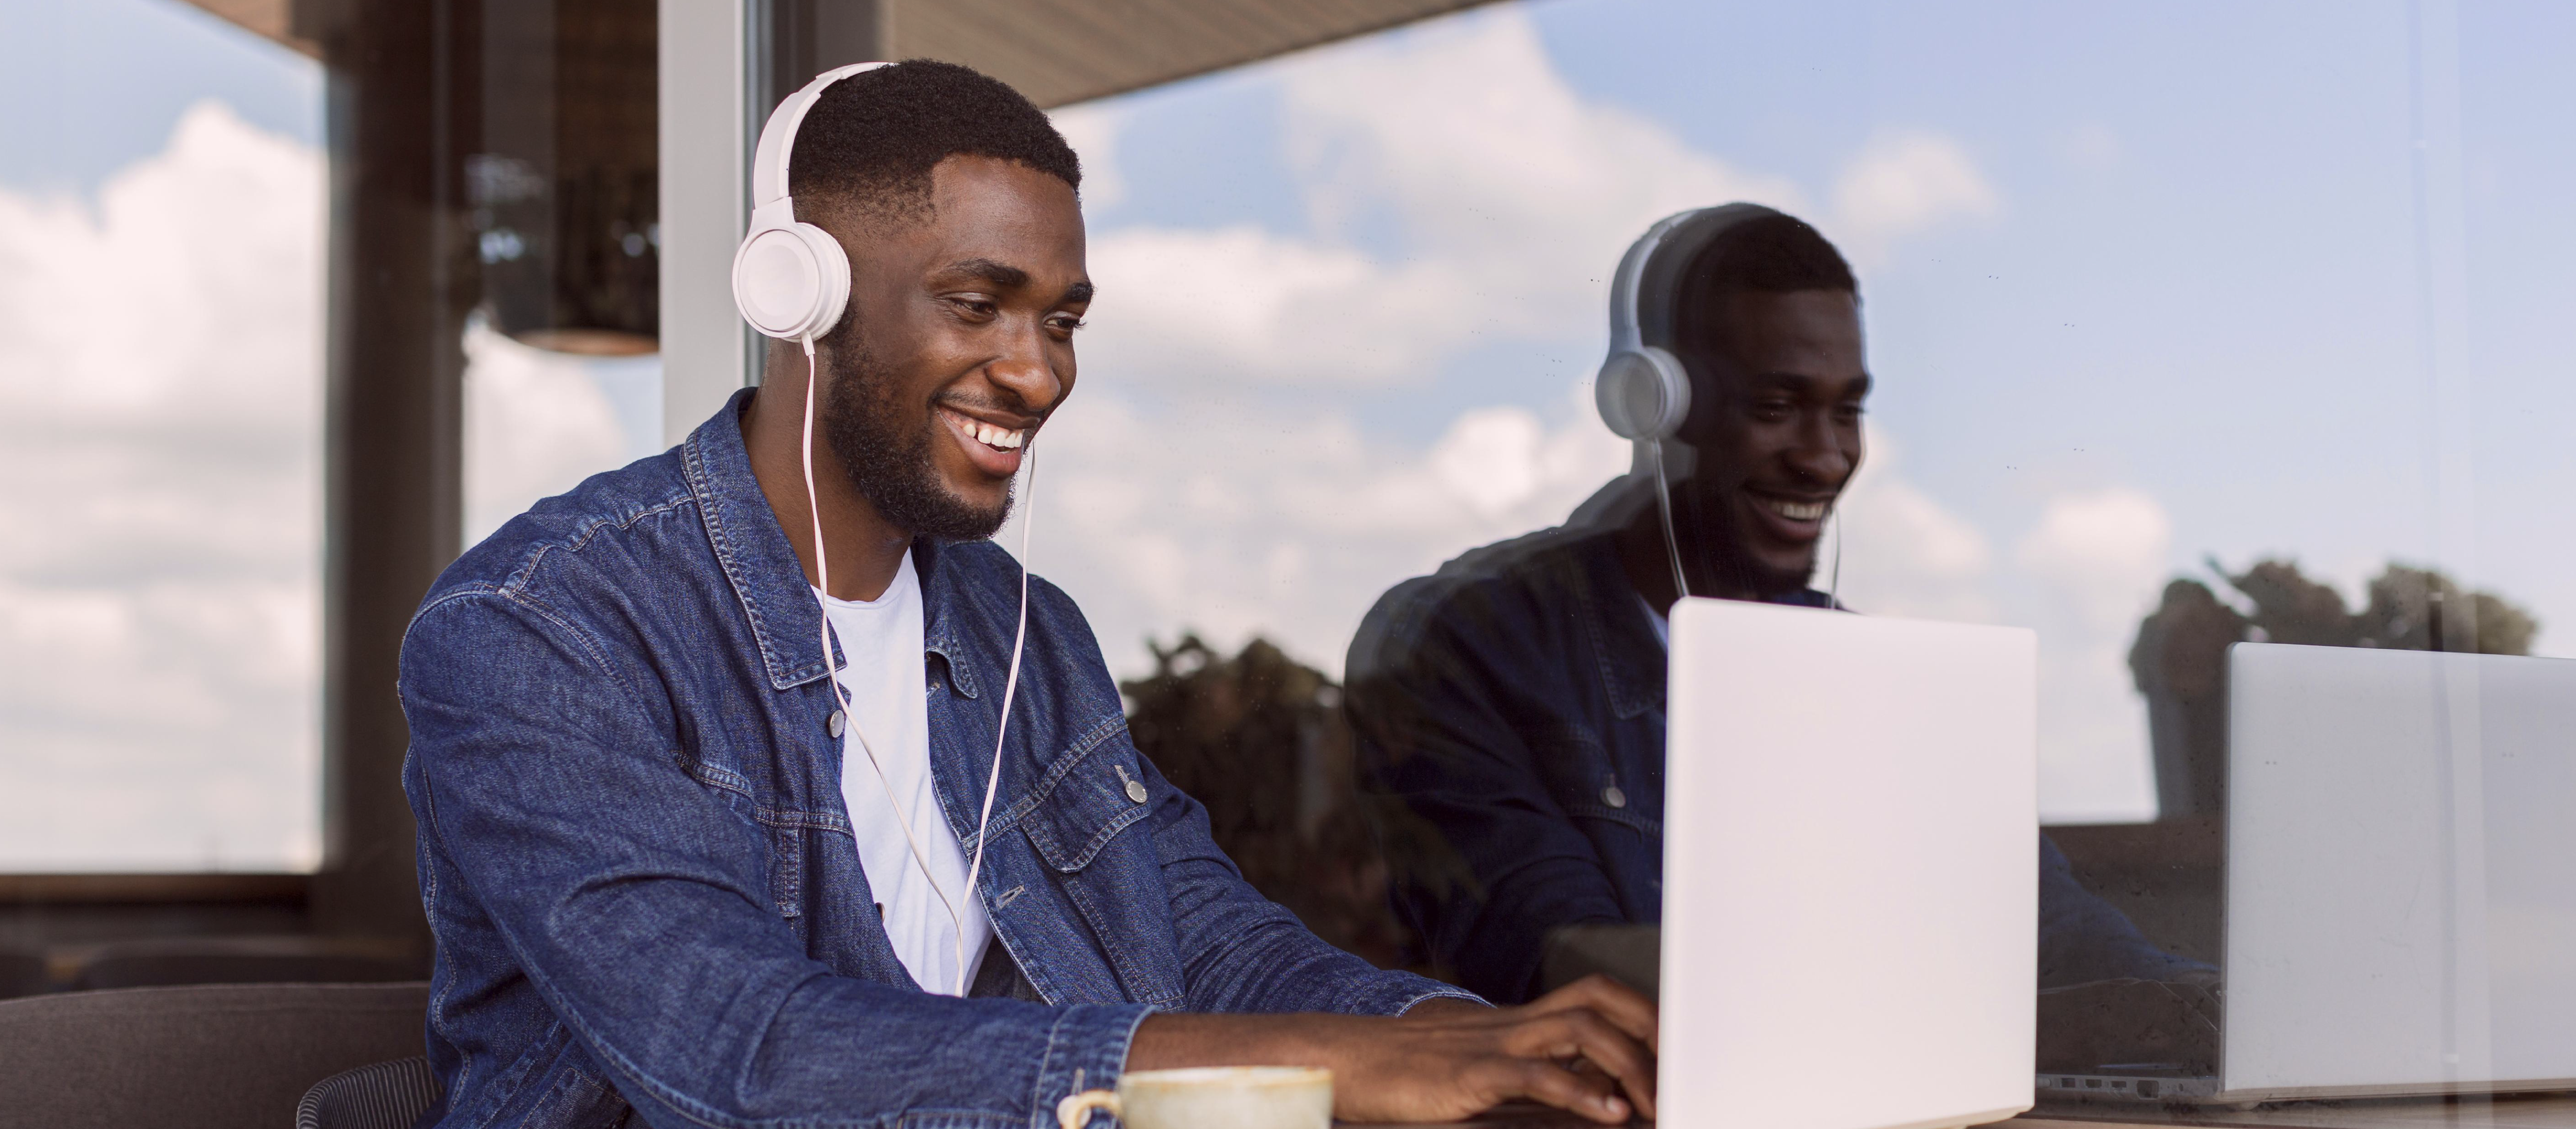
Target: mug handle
(1075, 1111)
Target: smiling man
(675, 875)
(1515, 699)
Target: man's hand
(1588, 1047)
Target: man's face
(1786, 436)
(958, 345)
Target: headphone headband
(769, 161)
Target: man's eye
(978, 307)
(1066, 323)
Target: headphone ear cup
(1643, 393)
(791, 281)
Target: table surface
(2544, 1111)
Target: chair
(22, 974)
(159, 961)
(383, 1095)
(214, 1056)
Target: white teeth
(992, 436)
(1797, 511)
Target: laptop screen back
(1850, 870)
(2401, 883)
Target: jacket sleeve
(1242, 952)
(2085, 940)
(1487, 862)
(544, 764)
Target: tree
(1260, 741)
(2180, 657)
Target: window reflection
(2152, 378)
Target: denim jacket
(1514, 701)
(640, 872)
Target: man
(671, 876)
(1515, 699)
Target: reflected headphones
(790, 280)
(1643, 390)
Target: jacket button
(1136, 790)
(837, 722)
(1614, 797)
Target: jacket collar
(766, 576)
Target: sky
(2145, 285)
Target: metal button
(1135, 787)
(1614, 797)
(837, 722)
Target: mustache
(987, 407)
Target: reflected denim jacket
(1514, 701)
(640, 874)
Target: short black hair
(872, 138)
(1772, 253)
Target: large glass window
(162, 222)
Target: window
(162, 223)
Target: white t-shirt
(888, 686)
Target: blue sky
(2201, 278)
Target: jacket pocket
(1590, 784)
(1091, 794)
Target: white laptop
(1850, 871)
(2401, 877)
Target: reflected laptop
(1850, 870)
(2401, 880)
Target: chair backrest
(21, 974)
(382, 1095)
(159, 961)
(215, 1056)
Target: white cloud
(2100, 560)
(538, 422)
(1515, 193)
(1289, 529)
(1903, 552)
(160, 409)
(1092, 131)
(1903, 183)
(2103, 551)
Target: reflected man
(1514, 700)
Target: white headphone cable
(1664, 505)
(840, 695)
(1010, 685)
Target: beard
(1708, 516)
(885, 449)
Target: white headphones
(1643, 391)
(790, 279)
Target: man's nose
(1819, 452)
(1024, 371)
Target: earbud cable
(840, 694)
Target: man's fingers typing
(1591, 1095)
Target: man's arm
(1427, 717)
(544, 765)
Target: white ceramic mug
(1214, 1097)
